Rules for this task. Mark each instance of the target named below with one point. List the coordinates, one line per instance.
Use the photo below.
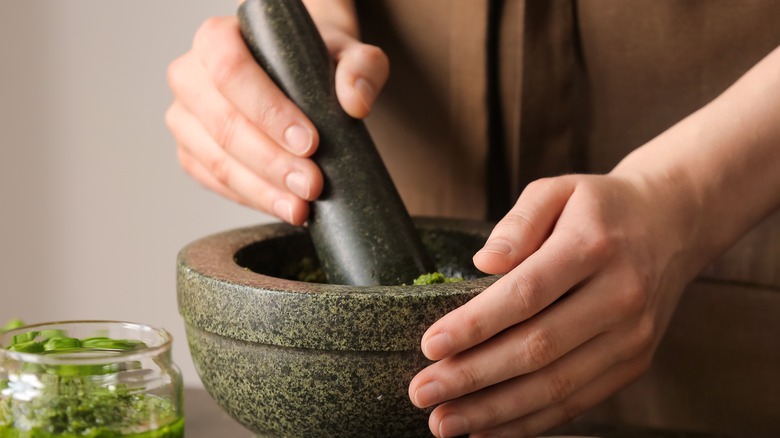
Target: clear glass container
(89, 379)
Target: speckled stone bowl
(291, 359)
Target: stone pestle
(360, 228)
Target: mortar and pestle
(292, 358)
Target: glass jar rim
(95, 358)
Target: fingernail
(497, 246)
(438, 346)
(298, 184)
(453, 425)
(283, 210)
(365, 92)
(298, 139)
(428, 394)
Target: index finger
(235, 73)
(529, 288)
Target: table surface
(205, 419)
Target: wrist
(722, 160)
(674, 214)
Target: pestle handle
(361, 230)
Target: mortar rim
(217, 295)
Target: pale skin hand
(239, 135)
(595, 266)
(619, 248)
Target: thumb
(361, 72)
(527, 225)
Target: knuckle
(226, 127)
(175, 117)
(597, 243)
(491, 414)
(519, 220)
(644, 336)
(268, 113)
(219, 168)
(539, 185)
(469, 378)
(476, 327)
(185, 161)
(543, 188)
(569, 411)
(540, 348)
(270, 162)
(208, 29)
(631, 297)
(212, 44)
(559, 386)
(227, 68)
(209, 24)
(225, 71)
(170, 118)
(373, 55)
(173, 73)
(524, 292)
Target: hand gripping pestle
(361, 230)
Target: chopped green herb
(27, 347)
(12, 324)
(61, 344)
(307, 269)
(112, 344)
(52, 333)
(24, 337)
(435, 278)
(73, 401)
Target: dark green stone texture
(361, 229)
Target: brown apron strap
(430, 122)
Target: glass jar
(89, 379)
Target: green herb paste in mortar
(70, 404)
(435, 278)
(307, 270)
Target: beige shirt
(580, 84)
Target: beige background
(93, 205)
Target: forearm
(721, 165)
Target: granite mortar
(288, 358)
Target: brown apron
(575, 86)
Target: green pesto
(171, 430)
(72, 401)
(12, 324)
(435, 278)
(309, 271)
(74, 412)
